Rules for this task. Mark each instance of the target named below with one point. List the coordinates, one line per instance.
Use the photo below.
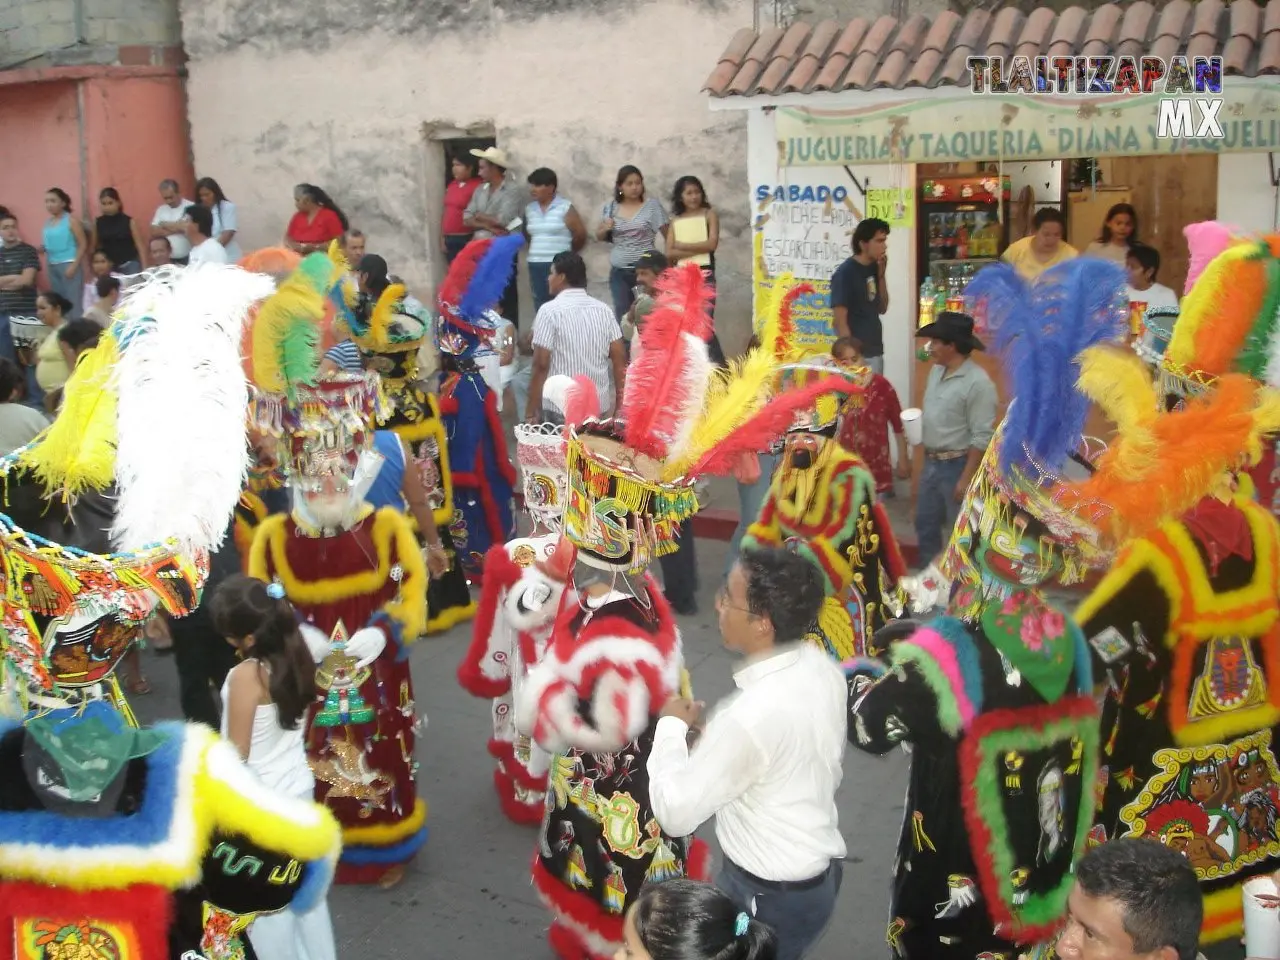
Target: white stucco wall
(1246, 198)
(338, 95)
(764, 167)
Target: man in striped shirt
(575, 335)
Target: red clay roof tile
(923, 53)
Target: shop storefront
(958, 175)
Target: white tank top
(277, 756)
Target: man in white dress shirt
(769, 762)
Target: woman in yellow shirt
(51, 367)
(1033, 255)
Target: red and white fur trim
(625, 673)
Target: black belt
(780, 885)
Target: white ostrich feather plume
(182, 456)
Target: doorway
(462, 147)
(441, 142)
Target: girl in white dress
(264, 705)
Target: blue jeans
(622, 285)
(751, 498)
(798, 916)
(539, 279)
(936, 507)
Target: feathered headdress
(1162, 464)
(1040, 330)
(471, 289)
(680, 418)
(1229, 322)
(287, 329)
(343, 294)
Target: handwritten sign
(896, 207)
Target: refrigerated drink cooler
(963, 226)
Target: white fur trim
(520, 607)
(181, 456)
(595, 943)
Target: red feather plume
(461, 270)
(582, 403)
(774, 421)
(667, 382)
(784, 336)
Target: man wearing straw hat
(958, 423)
(494, 211)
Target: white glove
(317, 643)
(366, 645)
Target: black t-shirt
(856, 288)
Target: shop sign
(962, 126)
(803, 228)
(897, 207)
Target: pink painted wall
(134, 132)
(41, 128)
(136, 129)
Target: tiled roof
(885, 53)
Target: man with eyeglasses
(769, 761)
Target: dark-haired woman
(264, 706)
(318, 222)
(454, 234)
(19, 423)
(1119, 233)
(117, 234)
(552, 225)
(51, 370)
(632, 223)
(694, 235)
(210, 195)
(685, 919)
(64, 246)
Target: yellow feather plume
(378, 336)
(1266, 422)
(1120, 383)
(78, 452)
(280, 318)
(771, 325)
(339, 259)
(733, 398)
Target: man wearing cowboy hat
(958, 422)
(494, 211)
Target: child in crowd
(264, 705)
(688, 920)
(100, 266)
(648, 269)
(1143, 263)
(868, 417)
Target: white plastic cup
(1261, 924)
(913, 425)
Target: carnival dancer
(1186, 624)
(511, 633)
(822, 502)
(483, 477)
(115, 841)
(995, 697)
(357, 576)
(614, 657)
(389, 328)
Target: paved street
(468, 895)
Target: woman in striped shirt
(632, 223)
(552, 225)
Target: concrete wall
(357, 100)
(1246, 197)
(74, 32)
(45, 120)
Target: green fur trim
(1047, 907)
(905, 652)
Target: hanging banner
(968, 126)
(804, 227)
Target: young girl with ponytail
(264, 705)
(688, 920)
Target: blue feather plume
(1041, 329)
(337, 297)
(492, 275)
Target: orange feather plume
(1190, 449)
